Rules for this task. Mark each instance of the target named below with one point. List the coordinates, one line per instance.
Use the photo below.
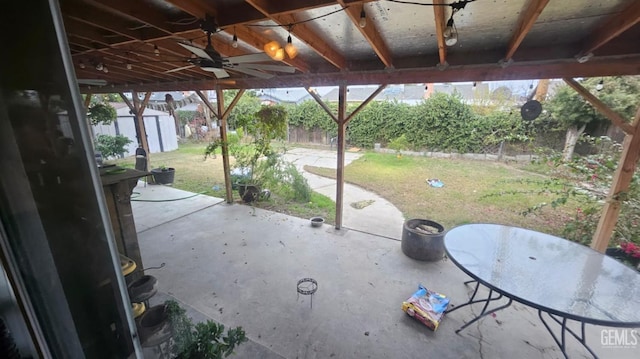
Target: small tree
(575, 114)
(112, 146)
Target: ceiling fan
(208, 59)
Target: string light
(105, 69)
(290, 49)
(234, 43)
(129, 66)
(156, 50)
(99, 66)
(363, 18)
(450, 33)
(81, 65)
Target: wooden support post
(342, 125)
(132, 110)
(342, 120)
(621, 181)
(87, 100)
(225, 144)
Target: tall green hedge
(441, 123)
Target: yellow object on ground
(127, 264)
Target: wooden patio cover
(401, 42)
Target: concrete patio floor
(239, 266)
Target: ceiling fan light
(279, 55)
(271, 48)
(290, 48)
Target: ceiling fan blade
(249, 58)
(277, 68)
(220, 73)
(196, 50)
(251, 72)
(179, 69)
(92, 82)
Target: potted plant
(163, 174)
(206, 340)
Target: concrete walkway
(380, 217)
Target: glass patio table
(563, 279)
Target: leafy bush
(586, 179)
(112, 146)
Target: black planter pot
(419, 244)
(154, 326)
(163, 175)
(248, 192)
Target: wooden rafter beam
(370, 33)
(526, 21)
(140, 12)
(616, 66)
(304, 33)
(252, 38)
(600, 106)
(612, 27)
(438, 13)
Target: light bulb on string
(129, 66)
(234, 43)
(105, 69)
(363, 19)
(290, 48)
(99, 66)
(271, 49)
(81, 65)
(450, 33)
(279, 54)
(156, 50)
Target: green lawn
(471, 191)
(195, 174)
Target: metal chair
(141, 162)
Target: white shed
(161, 129)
